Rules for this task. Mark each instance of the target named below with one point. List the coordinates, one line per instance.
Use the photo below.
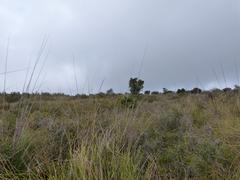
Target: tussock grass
(192, 136)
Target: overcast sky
(168, 43)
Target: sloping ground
(112, 137)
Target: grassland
(171, 136)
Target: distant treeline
(16, 96)
(192, 91)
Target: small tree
(147, 92)
(110, 91)
(155, 93)
(196, 91)
(227, 89)
(135, 85)
(165, 90)
(181, 91)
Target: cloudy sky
(96, 45)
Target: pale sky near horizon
(168, 43)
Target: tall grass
(164, 137)
(25, 104)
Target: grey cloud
(187, 42)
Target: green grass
(105, 137)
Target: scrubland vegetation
(108, 136)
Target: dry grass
(164, 137)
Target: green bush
(129, 101)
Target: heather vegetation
(171, 135)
